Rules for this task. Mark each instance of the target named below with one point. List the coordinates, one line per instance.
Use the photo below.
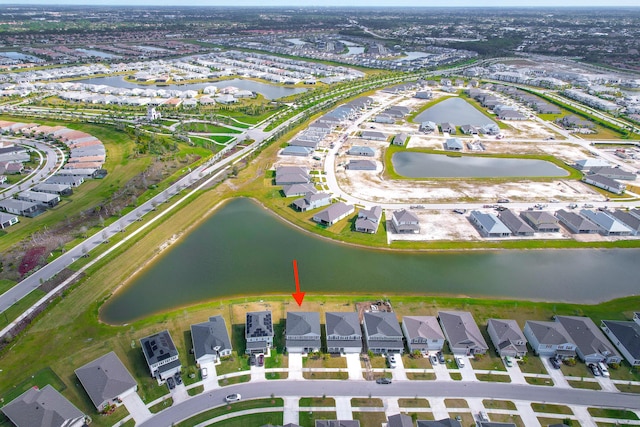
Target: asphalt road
(410, 389)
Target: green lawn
(413, 403)
(195, 390)
(589, 385)
(316, 401)
(494, 378)
(39, 379)
(235, 407)
(372, 402)
(370, 418)
(551, 409)
(251, 420)
(161, 405)
(499, 404)
(619, 414)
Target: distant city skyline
(332, 3)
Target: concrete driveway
(398, 373)
(556, 374)
(515, 373)
(136, 407)
(211, 382)
(467, 370)
(295, 366)
(353, 366)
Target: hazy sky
(351, 3)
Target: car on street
(441, 357)
(233, 397)
(383, 381)
(391, 360)
(460, 362)
(171, 383)
(433, 359)
(554, 362)
(594, 369)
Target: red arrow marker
(297, 295)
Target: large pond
(267, 90)
(454, 110)
(423, 165)
(244, 249)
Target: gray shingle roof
(552, 333)
(303, 323)
(342, 324)
(514, 223)
(461, 330)
(210, 337)
(508, 333)
(423, 327)
(588, 338)
(400, 420)
(628, 333)
(576, 221)
(330, 214)
(337, 423)
(41, 408)
(446, 422)
(382, 324)
(105, 378)
(605, 221)
(628, 219)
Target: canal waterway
(454, 110)
(244, 249)
(267, 90)
(424, 165)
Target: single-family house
(343, 332)
(469, 130)
(609, 225)
(631, 221)
(73, 181)
(450, 128)
(625, 335)
(507, 114)
(161, 355)
(404, 221)
(44, 407)
(368, 220)
(541, 221)
(400, 139)
(399, 420)
(423, 94)
(423, 333)
(295, 150)
(453, 144)
(613, 173)
(361, 151)
(45, 200)
(292, 190)
(507, 337)
(605, 183)
(445, 422)
(59, 189)
(106, 380)
(489, 225)
(428, 127)
(303, 332)
(312, 201)
(361, 165)
(576, 223)
(258, 332)
(11, 168)
(591, 344)
(382, 332)
(7, 220)
(291, 175)
(210, 340)
(384, 118)
(374, 136)
(462, 333)
(549, 339)
(591, 163)
(333, 214)
(20, 207)
(514, 223)
(307, 141)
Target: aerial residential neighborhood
(374, 214)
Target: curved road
(409, 389)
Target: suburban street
(409, 389)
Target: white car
(391, 359)
(233, 397)
(603, 369)
(204, 373)
(460, 362)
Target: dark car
(554, 362)
(252, 360)
(594, 369)
(261, 360)
(383, 381)
(178, 379)
(440, 357)
(171, 383)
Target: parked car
(204, 373)
(383, 381)
(603, 369)
(391, 360)
(554, 362)
(503, 200)
(261, 359)
(482, 416)
(233, 397)
(594, 369)
(252, 360)
(508, 361)
(178, 379)
(460, 362)
(171, 383)
(441, 357)
(433, 359)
